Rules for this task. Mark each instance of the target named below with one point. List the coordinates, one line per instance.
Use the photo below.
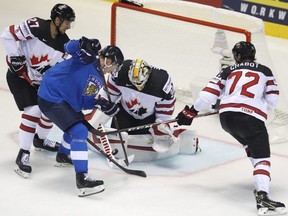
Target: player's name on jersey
(251, 64)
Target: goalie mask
(139, 73)
(246, 50)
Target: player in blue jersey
(70, 87)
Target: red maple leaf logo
(36, 60)
(132, 103)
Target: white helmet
(139, 73)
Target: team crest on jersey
(38, 60)
(40, 64)
(135, 107)
(92, 86)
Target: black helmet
(63, 11)
(245, 49)
(112, 52)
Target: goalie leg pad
(189, 142)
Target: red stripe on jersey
(30, 118)
(273, 92)
(212, 91)
(166, 105)
(235, 105)
(221, 86)
(261, 172)
(27, 129)
(270, 82)
(112, 87)
(12, 31)
(165, 112)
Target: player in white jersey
(32, 47)
(145, 95)
(247, 89)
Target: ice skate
(23, 167)
(45, 144)
(63, 160)
(266, 206)
(87, 185)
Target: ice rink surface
(217, 181)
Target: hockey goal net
(191, 41)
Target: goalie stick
(99, 133)
(129, 171)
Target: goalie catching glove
(110, 109)
(186, 116)
(163, 137)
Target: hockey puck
(114, 151)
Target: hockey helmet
(246, 51)
(112, 52)
(139, 72)
(63, 11)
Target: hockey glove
(107, 107)
(90, 45)
(17, 65)
(185, 117)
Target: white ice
(217, 182)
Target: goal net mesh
(189, 40)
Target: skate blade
(38, 149)
(83, 192)
(63, 165)
(21, 173)
(44, 150)
(277, 211)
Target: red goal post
(189, 40)
(179, 36)
(116, 5)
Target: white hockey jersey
(157, 97)
(248, 87)
(32, 39)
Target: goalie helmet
(114, 53)
(139, 72)
(63, 11)
(246, 50)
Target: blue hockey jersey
(72, 82)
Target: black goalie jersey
(157, 97)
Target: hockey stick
(99, 133)
(129, 171)
(115, 121)
(107, 148)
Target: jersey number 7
(246, 86)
